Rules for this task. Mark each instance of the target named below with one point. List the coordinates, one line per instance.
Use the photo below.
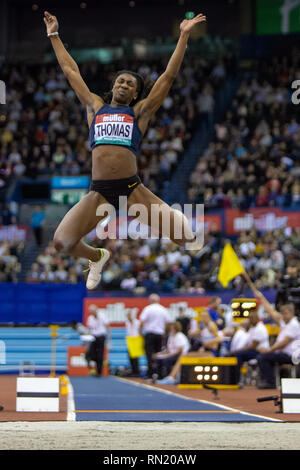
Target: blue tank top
(115, 126)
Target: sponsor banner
(116, 308)
(262, 219)
(70, 182)
(14, 232)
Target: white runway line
(71, 416)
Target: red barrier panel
(260, 218)
(14, 232)
(117, 307)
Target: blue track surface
(112, 399)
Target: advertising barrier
(262, 219)
(14, 232)
(117, 308)
(213, 222)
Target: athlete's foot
(95, 269)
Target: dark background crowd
(45, 133)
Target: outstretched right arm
(274, 314)
(70, 68)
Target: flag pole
(247, 277)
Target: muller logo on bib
(113, 129)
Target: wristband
(53, 34)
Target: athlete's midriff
(112, 162)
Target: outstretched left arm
(162, 86)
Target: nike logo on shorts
(130, 185)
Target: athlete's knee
(183, 232)
(63, 244)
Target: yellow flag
(230, 266)
(135, 345)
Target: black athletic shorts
(112, 189)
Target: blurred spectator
(212, 308)
(10, 254)
(133, 327)
(154, 320)
(205, 104)
(129, 282)
(177, 344)
(7, 217)
(184, 320)
(209, 334)
(99, 328)
(257, 340)
(37, 223)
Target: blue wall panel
(41, 303)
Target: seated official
(257, 341)
(207, 333)
(210, 338)
(177, 344)
(281, 351)
(234, 338)
(239, 337)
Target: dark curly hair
(143, 87)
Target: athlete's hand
(187, 25)
(50, 22)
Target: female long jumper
(116, 131)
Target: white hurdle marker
(37, 394)
(290, 395)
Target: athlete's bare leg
(178, 223)
(78, 222)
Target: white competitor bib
(115, 129)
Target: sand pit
(148, 436)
